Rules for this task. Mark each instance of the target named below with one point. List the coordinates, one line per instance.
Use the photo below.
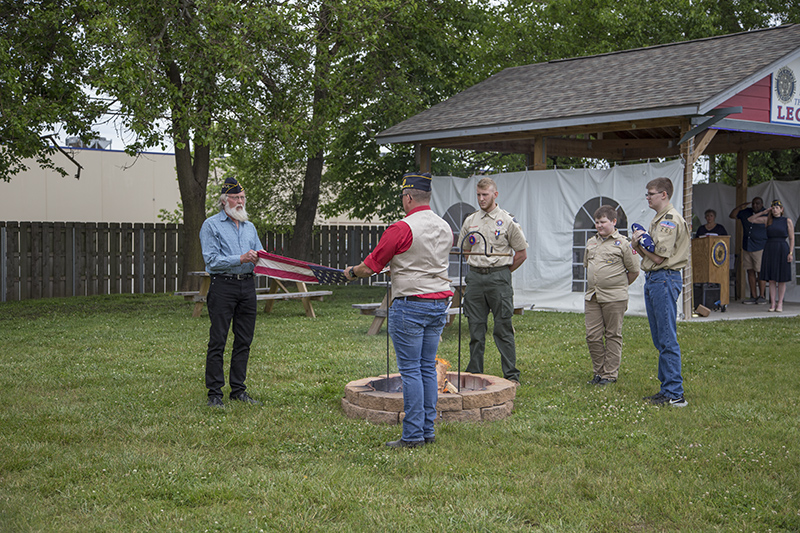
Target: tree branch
(55, 143)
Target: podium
(711, 263)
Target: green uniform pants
(484, 293)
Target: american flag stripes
(286, 268)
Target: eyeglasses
(406, 194)
(236, 198)
(649, 194)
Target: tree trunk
(192, 180)
(301, 244)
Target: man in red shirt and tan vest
(417, 249)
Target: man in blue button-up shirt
(230, 244)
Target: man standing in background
(488, 283)
(663, 284)
(754, 238)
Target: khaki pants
(604, 320)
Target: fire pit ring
(483, 398)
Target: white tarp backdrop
(549, 204)
(555, 208)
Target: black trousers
(229, 300)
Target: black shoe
(656, 396)
(244, 397)
(430, 440)
(594, 381)
(606, 381)
(215, 401)
(400, 443)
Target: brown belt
(421, 299)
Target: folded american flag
(328, 275)
(286, 268)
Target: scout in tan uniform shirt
(489, 278)
(611, 267)
(662, 286)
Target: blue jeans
(415, 328)
(661, 291)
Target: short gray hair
(421, 197)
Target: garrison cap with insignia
(417, 181)
(231, 186)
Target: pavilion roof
(645, 84)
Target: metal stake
(461, 303)
(388, 305)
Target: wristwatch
(352, 273)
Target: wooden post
(688, 176)
(741, 197)
(423, 156)
(691, 151)
(539, 154)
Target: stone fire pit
(482, 398)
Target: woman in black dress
(776, 261)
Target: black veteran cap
(231, 186)
(417, 181)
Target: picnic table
(276, 291)
(379, 311)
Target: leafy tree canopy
(44, 55)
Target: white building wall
(113, 187)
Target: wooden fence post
(3, 261)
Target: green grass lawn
(104, 427)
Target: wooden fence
(53, 259)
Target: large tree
(183, 71)
(358, 68)
(531, 32)
(44, 58)
(365, 70)
(296, 91)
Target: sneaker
(215, 401)
(678, 402)
(594, 381)
(606, 381)
(655, 396)
(674, 402)
(244, 397)
(761, 301)
(750, 301)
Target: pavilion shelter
(734, 93)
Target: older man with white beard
(230, 249)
